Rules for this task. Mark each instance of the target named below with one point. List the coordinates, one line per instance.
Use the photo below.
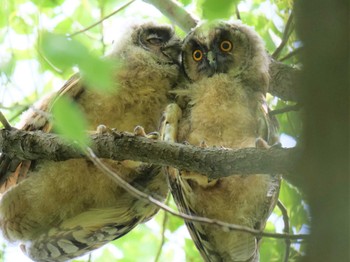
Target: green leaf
(271, 250)
(98, 73)
(19, 25)
(3, 17)
(64, 26)
(47, 3)
(185, 2)
(69, 121)
(141, 244)
(293, 200)
(63, 52)
(192, 253)
(8, 67)
(215, 9)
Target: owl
(62, 210)
(227, 70)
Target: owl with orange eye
(227, 70)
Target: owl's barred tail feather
(77, 236)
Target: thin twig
(173, 10)
(4, 122)
(286, 34)
(89, 258)
(286, 228)
(143, 196)
(291, 54)
(238, 14)
(165, 220)
(102, 13)
(285, 109)
(103, 19)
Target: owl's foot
(201, 180)
(140, 131)
(203, 144)
(102, 129)
(261, 143)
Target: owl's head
(228, 48)
(159, 39)
(146, 41)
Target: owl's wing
(96, 227)
(82, 233)
(268, 131)
(178, 190)
(267, 124)
(13, 170)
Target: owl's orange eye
(197, 55)
(226, 46)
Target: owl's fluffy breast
(220, 114)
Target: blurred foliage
(216, 9)
(37, 56)
(66, 111)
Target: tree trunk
(323, 27)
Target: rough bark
(121, 146)
(283, 82)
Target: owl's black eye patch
(158, 36)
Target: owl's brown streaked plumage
(65, 209)
(227, 68)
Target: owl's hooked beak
(212, 62)
(172, 50)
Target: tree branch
(286, 34)
(100, 21)
(286, 228)
(4, 121)
(121, 146)
(175, 12)
(283, 81)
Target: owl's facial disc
(161, 41)
(215, 59)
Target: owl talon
(102, 129)
(153, 135)
(203, 144)
(277, 145)
(23, 248)
(261, 143)
(139, 131)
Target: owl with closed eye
(61, 210)
(227, 77)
